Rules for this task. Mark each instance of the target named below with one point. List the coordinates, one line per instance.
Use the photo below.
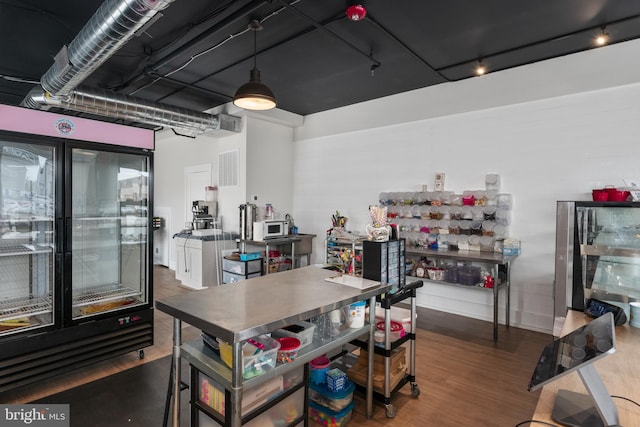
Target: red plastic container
(600, 195)
(618, 195)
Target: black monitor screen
(584, 345)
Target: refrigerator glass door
(27, 200)
(610, 250)
(110, 231)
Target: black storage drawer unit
(235, 270)
(384, 261)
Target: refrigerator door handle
(67, 235)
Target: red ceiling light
(356, 12)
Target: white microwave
(270, 229)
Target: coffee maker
(203, 214)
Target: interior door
(196, 179)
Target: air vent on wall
(228, 168)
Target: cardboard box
(358, 372)
(398, 359)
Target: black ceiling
(309, 53)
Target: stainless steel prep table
(260, 305)
(290, 241)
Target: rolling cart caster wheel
(390, 410)
(140, 354)
(415, 390)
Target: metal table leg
(370, 354)
(177, 343)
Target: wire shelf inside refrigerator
(104, 293)
(26, 306)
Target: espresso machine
(204, 214)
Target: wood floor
(465, 379)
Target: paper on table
(353, 281)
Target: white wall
(270, 165)
(545, 150)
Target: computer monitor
(577, 351)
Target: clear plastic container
(505, 200)
(257, 363)
(288, 350)
(334, 401)
(486, 244)
(301, 330)
(327, 417)
(465, 227)
(455, 212)
(488, 227)
(492, 181)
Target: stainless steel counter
(247, 308)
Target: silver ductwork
(117, 106)
(113, 24)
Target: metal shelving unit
(500, 267)
(386, 302)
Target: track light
(603, 37)
(254, 95)
(480, 68)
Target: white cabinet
(196, 265)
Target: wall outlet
(439, 184)
(254, 197)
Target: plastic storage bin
(250, 256)
(396, 330)
(335, 401)
(327, 417)
(241, 267)
(212, 394)
(255, 364)
(398, 314)
(282, 414)
(301, 330)
(469, 275)
(232, 278)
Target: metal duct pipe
(104, 103)
(113, 24)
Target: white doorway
(196, 179)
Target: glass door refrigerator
(75, 233)
(597, 255)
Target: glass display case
(75, 236)
(597, 254)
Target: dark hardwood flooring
(465, 379)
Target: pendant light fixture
(254, 95)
